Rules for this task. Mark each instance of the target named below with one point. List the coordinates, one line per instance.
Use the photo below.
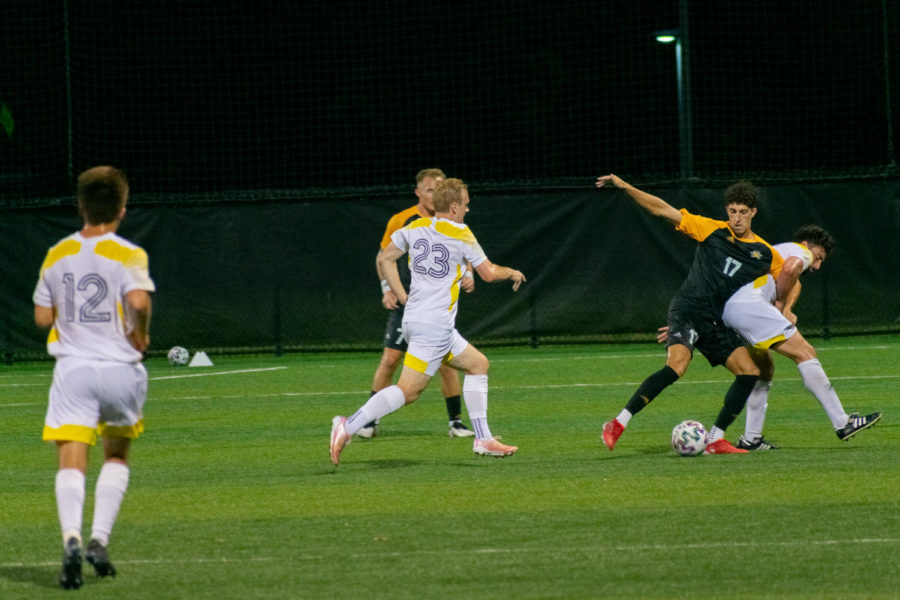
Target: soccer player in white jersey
(438, 249)
(752, 312)
(93, 295)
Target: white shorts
(90, 398)
(430, 346)
(758, 322)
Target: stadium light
(667, 37)
(685, 128)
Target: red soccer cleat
(723, 446)
(339, 438)
(612, 430)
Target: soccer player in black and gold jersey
(728, 256)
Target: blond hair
(435, 173)
(448, 191)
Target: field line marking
(662, 352)
(217, 373)
(497, 387)
(476, 551)
(702, 382)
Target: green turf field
(232, 493)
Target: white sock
(624, 417)
(70, 502)
(108, 494)
(816, 381)
(757, 402)
(714, 435)
(383, 403)
(475, 395)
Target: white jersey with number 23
(438, 250)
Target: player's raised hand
(611, 179)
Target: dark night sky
(193, 96)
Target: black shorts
(393, 333)
(697, 327)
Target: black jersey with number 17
(723, 262)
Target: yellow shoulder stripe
(460, 233)
(130, 257)
(59, 252)
(423, 222)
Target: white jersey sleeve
(85, 281)
(792, 249)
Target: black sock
(735, 399)
(651, 388)
(454, 408)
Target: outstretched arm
(652, 204)
(489, 272)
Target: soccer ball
(179, 356)
(689, 438)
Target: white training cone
(200, 360)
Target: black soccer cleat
(759, 443)
(99, 558)
(70, 578)
(856, 424)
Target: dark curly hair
(742, 192)
(815, 236)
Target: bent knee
(679, 366)
(752, 371)
(680, 370)
(807, 352)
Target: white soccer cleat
(457, 429)
(493, 447)
(368, 431)
(339, 438)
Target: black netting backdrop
(267, 144)
(319, 98)
(301, 275)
